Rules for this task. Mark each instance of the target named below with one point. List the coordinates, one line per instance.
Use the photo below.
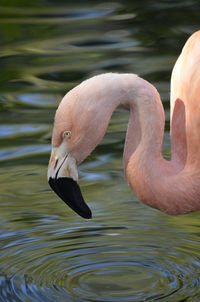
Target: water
(128, 252)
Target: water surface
(128, 251)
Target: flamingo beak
(63, 177)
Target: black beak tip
(87, 215)
(69, 191)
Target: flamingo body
(84, 113)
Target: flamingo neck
(157, 182)
(146, 170)
(170, 186)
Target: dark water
(128, 252)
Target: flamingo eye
(67, 134)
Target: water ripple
(58, 15)
(102, 272)
(16, 129)
(18, 152)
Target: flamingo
(82, 118)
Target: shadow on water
(128, 252)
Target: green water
(128, 251)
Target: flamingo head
(70, 146)
(80, 123)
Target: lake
(128, 251)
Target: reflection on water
(128, 252)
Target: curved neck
(143, 145)
(162, 184)
(156, 181)
(159, 183)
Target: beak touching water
(63, 177)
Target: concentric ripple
(99, 271)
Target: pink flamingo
(82, 118)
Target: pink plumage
(170, 186)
